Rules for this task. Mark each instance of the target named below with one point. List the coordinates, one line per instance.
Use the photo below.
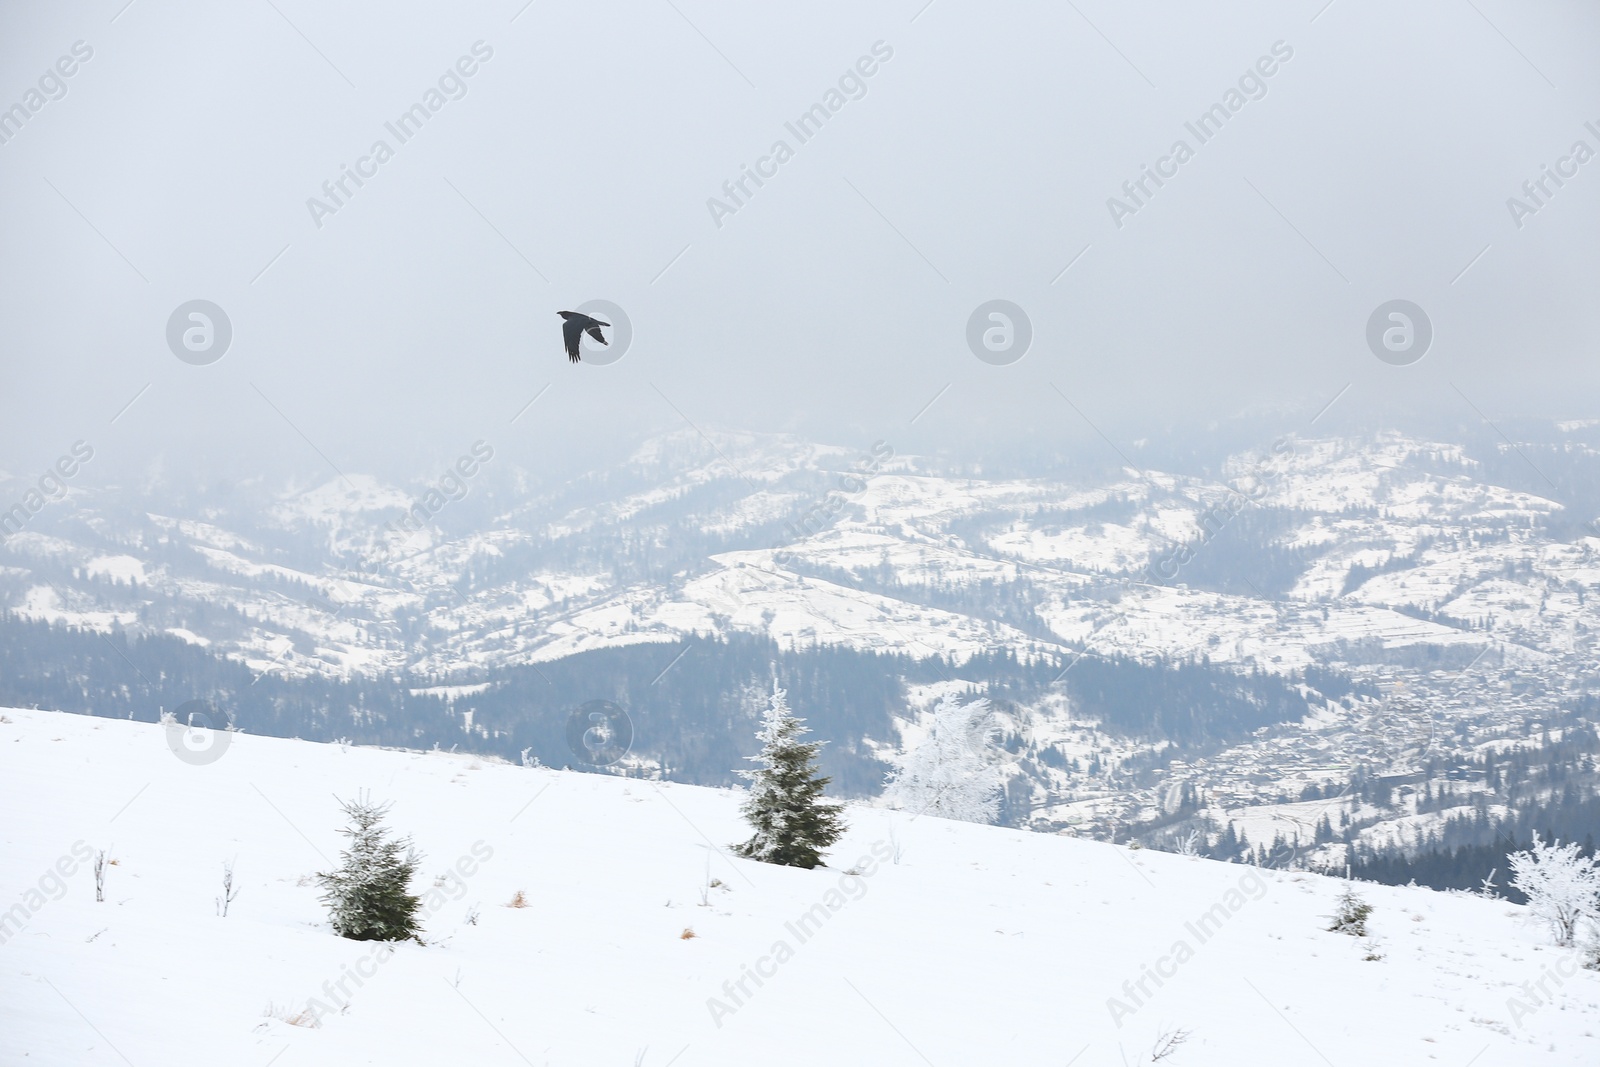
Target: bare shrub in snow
(710, 884)
(1167, 1043)
(229, 893)
(292, 1016)
(955, 772)
(519, 899)
(1562, 886)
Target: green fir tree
(368, 897)
(793, 823)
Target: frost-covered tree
(955, 772)
(369, 896)
(793, 823)
(1562, 886)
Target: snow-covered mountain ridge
(1388, 542)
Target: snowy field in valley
(978, 946)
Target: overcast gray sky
(577, 160)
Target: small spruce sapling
(369, 896)
(1351, 916)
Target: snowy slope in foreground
(981, 946)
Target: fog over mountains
(984, 160)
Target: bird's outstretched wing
(594, 331)
(572, 334)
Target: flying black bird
(572, 331)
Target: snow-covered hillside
(976, 946)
